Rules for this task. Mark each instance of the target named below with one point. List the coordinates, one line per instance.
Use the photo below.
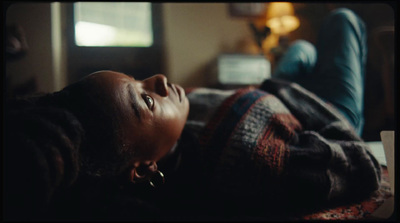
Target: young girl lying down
(110, 147)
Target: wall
(35, 18)
(195, 34)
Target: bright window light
(121, 24)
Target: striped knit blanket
(282, 146)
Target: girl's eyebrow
(133, 97)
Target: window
(120, 24)
(122, 36)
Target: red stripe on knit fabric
(275, 152)
(219, 115)
(242, 119)
(238, 124)
(275, 144)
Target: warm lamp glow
(284, 24)
(280, 17)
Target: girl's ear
(142, 171)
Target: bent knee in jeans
(299, 60)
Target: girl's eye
(149, 101)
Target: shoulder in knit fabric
(254, 143)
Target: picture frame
(256, 9)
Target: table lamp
(280, 18)
(281, 21)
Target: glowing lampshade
(280, 18)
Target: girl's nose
(157, 84)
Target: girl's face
(150, 114)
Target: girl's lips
(178, 90)
(175, 90)
(181, 92)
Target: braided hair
(41, 156)
(54, 139)
(101, 150)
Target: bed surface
(380, 205)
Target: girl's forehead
(109, 79)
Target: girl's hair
(71, 127)
(41, 155)
(51, 139)
(101, 150)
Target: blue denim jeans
(334, 68)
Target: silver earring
(160, 179)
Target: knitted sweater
(274, 150)
(279, 147)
